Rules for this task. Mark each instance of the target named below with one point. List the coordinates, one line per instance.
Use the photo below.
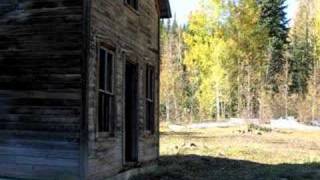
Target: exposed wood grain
(132, 34)
(45, 75)
(40, 88)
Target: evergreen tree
(175, 27)
(273, 17)
(301, 49)
(234, 58)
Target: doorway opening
(131, 116)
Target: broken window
(132, 3)
(106, 96)
(150, 98)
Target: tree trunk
(248, 94)
(223, 110)
(286, 86)
(176, 110)
(167, 111)
(217, 103)
(239, 90)
(261, 105)
(314, 93)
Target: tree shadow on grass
(193, 167)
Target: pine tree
(301, 62)
(273, 17)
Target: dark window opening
(106, 96)
(132, 3)
(150, 98)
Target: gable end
(164, 8)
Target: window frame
(109, 129)
(150, 99)
(132, 4)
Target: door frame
(126, 60)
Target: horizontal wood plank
(41, 51)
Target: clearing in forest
(246, 152)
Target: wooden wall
(134, 34)
(40, 88)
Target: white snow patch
(316, 123)
(281, 123)
(290, 123)
(176, 128)
(231, 123)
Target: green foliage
(247, 37)
(273, 17)
(176, 93)
(254, 127)
(303, 43)
(206, 55)
(235, 58)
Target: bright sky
(292, 9)
(182, 8)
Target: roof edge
(165, 9)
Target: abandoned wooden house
(79, 87)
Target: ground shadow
(193, 167)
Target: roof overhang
(165, 10)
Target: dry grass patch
(246, 152)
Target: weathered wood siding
(134, 34)
(40, 88)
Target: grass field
(246, 152)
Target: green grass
(238, 153)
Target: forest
(242, 59)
